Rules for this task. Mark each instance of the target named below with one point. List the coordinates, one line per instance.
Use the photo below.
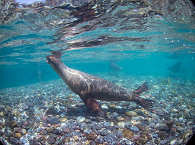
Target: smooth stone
(104, 106)
(76, 138)
(112, 105)
(1, 114)
(43, 132)
(87, 131)
(34, 142)
(118, 107)
(51, 139)
(128, 134)
(14, 141)
(111, 123)
(108, 139)
(125, 141)
(104, 132)
(173, 142)
(13, 123)
(119, 118)
(115, 114)
(162, 127)
(20, 130)
(106, 124)
(80, 119)
(99, 140)
(181, 119)
(91, 136)
(52, 111)
(119, 133)
(134, 129)
(131, 113)
(64, 119)
(121, 124)
(53, 120)
(18, 135)
(137, 118)
(164, 142)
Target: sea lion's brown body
(91, 88)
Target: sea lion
(91, 88)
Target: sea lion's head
(52, 60)
(55, 62)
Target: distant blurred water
(115, 42)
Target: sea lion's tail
(146, 103)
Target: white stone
(80, 119)
(121, 124)
(104, 106)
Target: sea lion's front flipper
(140, 89)
(146, 103)
(93, 106)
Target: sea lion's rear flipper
(146, 103)
(93, 106)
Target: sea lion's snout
(51, 59)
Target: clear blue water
(153, 49)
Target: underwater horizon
(123, 44)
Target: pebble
(134, 128)
(115, 114)
(162, 127)
(104, 132)
(13, 124)
(125, 141)
(87, 131)
(128, 134)
(1, 114)
(119, 133)
(137, 118)
(106, 124)
(173, 142)
(14, 141)
(108, 139)
(91, 136)
(63, 119)
(112, 105)
(76, 128)
(51, 139)
(53, 120)
(131, 113)
(120, 118)
(80, 119)
(121, 124)
(52, 111)
(20, 130)
(43, 131)
(18, 135)
(99, 140)
(104, 106)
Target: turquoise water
(37, 107)
(153, 49)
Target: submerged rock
(131, 113)
(128, 134)
(80, 119)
